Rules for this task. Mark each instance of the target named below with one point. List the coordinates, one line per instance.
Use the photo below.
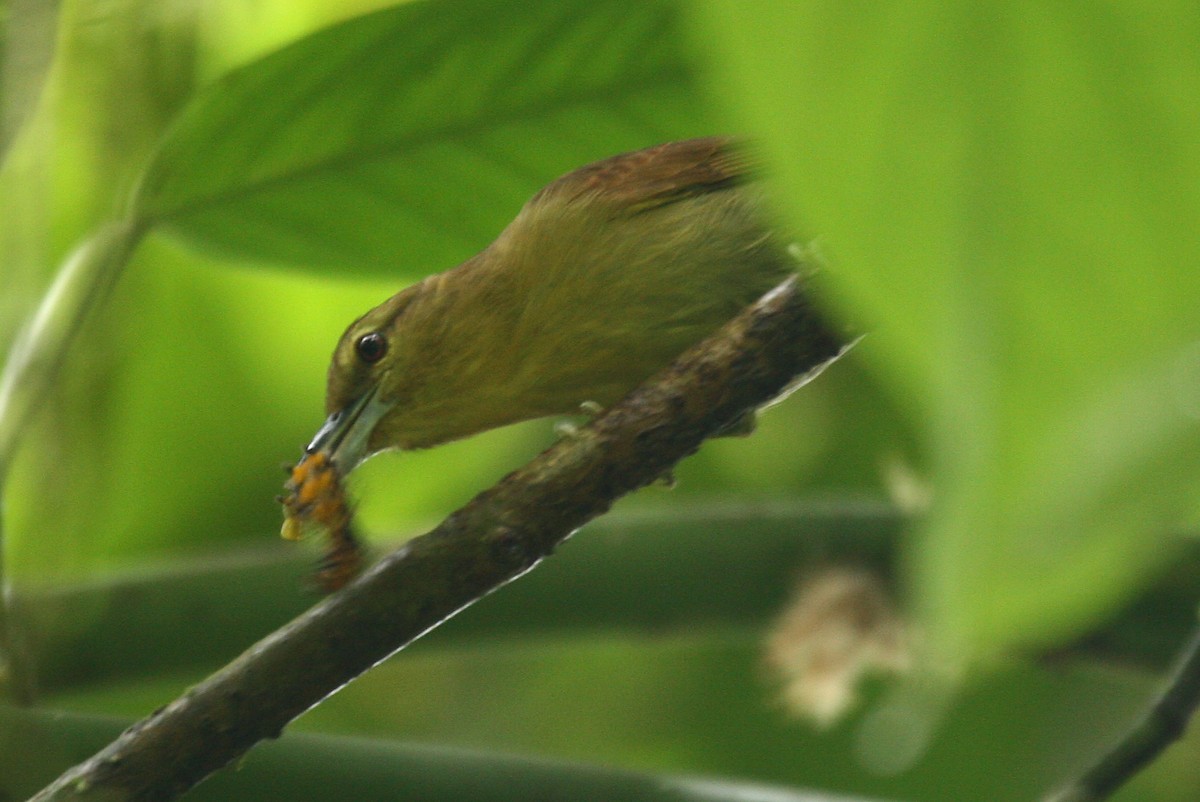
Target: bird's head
(365, 385)
(428, 365)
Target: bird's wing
(657, 176)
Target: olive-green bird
(605, 276)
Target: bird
(604, 277)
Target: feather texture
(604, 277)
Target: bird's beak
(344, 436)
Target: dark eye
(371, 347)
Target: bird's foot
(591, 409)
(566, 430)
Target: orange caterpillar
(316, 499)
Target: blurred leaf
(711, 565)
(26, 50)
(692, 701)
(83, 282)
(407, 138)
(39, 745)
(1010, 192)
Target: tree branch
(1160, 726)
(499, 535)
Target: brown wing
(645, 179)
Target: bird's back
(625, 263)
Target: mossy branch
(502, 533)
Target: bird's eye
(371, 347)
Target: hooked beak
(344, 436)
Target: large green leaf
(306, 767)
(1010, 192)
(711, 565)
(405, 139)
(690, 702)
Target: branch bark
(499, 535)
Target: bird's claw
(566, 430)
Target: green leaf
(712, 565)
(670, 703)
(406, 139)
(1009, 193)
(35, 358)
(39, 744)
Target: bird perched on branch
(605, 276)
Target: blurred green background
(1005, 194)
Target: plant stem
(1160, 726)
(34, 362)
